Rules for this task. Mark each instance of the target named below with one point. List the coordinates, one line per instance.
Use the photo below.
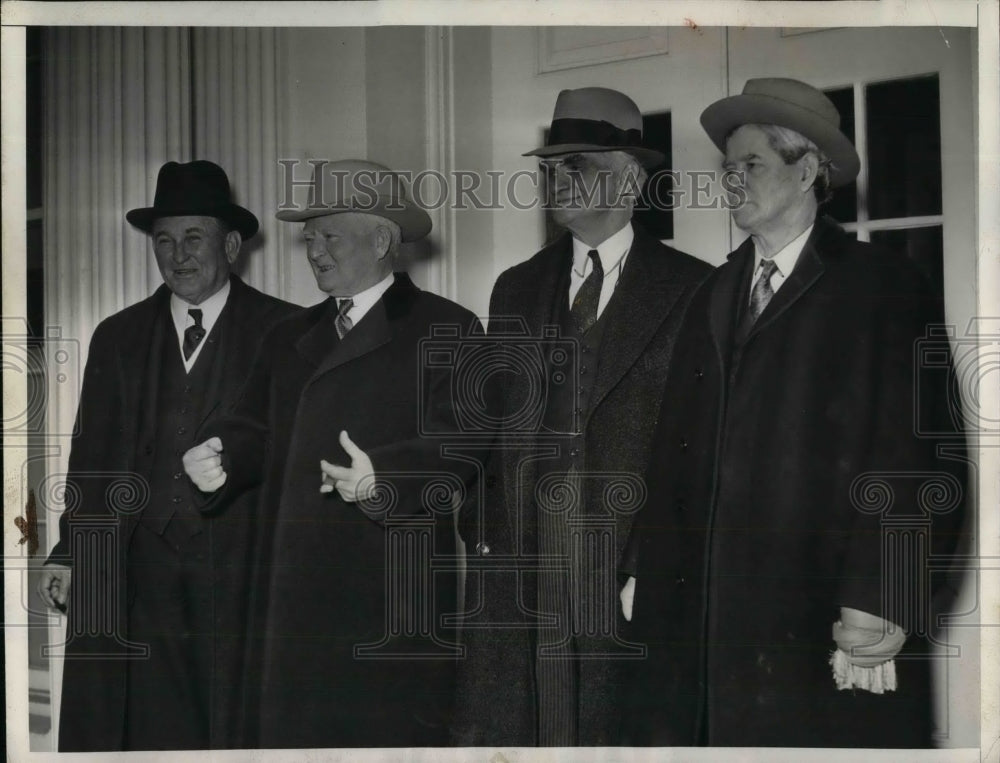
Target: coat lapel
(729, 287)
(642, 300)
(808, 269)
(321, 347)
(140, 353)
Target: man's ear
(809, 165)
(383, 240)
(233, 243)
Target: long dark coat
(108, 466)
(786, 469)
(496, 701)
(330, 584)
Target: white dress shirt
(365, 300)
(613, 252)
(784, 262)
(211, 308)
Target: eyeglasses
(574, 163)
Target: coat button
(149, 450)
(684, 444)
(583, 370)
(178, 475)
(574, 452)
(680, 580)
(181, 430)
(482, 549)
(699, 374)
(176, 499)
(491, 482)
(681, 507)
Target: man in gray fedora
(782, 585)
(545, 632)
(331, 423)
(175, 580)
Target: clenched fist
(54, 586)
(203, 465)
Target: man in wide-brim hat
(777, 607)
(180, 582)
(616, 294)
(338, 403)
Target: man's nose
(314, 250)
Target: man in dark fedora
(782, 586)
(332, 422)
(545, 631)
(157, 620)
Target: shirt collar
(611, 250)
(788, 256)
(365, 300)
(210, 308)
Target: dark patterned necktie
(762, 291)
(343, 323)
(584, 309)
(193, 334)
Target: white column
(238, 116)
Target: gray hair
(792, 146)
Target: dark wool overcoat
(794, 471)
(497, 696)
(340, 663)
(109, 463)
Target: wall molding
(571, 47)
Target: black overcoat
(108, 466)
(791, 469)
(496, 697)
(330, 585)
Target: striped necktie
(762, 291)
(343, 323)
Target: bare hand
(627, 595)
(53, 586)
(866, 639)
(203, 465)
(355, 482)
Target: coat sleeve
(98, 409)
(423, 455)
(245, 436)
(908, 497)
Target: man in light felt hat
(769, 593)
(617, 294)
(155, 372)
(335, 406)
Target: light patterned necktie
(343, 323)
(762, 291)
(193, 334)
(584, 309)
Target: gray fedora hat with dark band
(786, 103)
(199, 188)
(358, 185)
(592, 119)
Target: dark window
(904, 148)
(923, 246)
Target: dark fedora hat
(786, 103)
(359, 185)
(195, 188)
(596, 119)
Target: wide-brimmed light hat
(198, 188)
(358, 185)
(787, 103)
(592, 119)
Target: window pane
(904, 148)
(657, 221)
(33, 117)
(924, 247)
(843, 207)
(35, 279)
